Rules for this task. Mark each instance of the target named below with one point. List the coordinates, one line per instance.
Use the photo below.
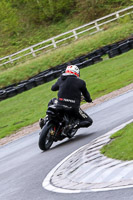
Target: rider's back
(70, 88)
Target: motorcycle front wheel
(46, 139)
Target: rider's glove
(88, 100)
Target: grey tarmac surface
(23, 166)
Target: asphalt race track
(23, 166)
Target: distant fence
(54, 42)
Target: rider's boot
(68, 129)
(42, 121)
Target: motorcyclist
(70, 87)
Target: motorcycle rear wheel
(45, 139)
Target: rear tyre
(46, 139)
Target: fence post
(32, 51)
(54, 43)
(10, 59)
(97, 27)
(117, 15)
(75, 34)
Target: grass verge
(65, 54)
(101, 78)
(121, 147)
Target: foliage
(8, 18)
(39, 11)
(94, 9)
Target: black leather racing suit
(70, 89)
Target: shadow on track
(72, 140)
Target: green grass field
(121, 146)
(101, 78)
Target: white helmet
(72, 70)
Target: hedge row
(53, 73)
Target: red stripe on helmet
(70, 72)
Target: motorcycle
(56, 122)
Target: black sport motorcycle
(56, 125)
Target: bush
(94, 9)
(9, 23)
(39, 11)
